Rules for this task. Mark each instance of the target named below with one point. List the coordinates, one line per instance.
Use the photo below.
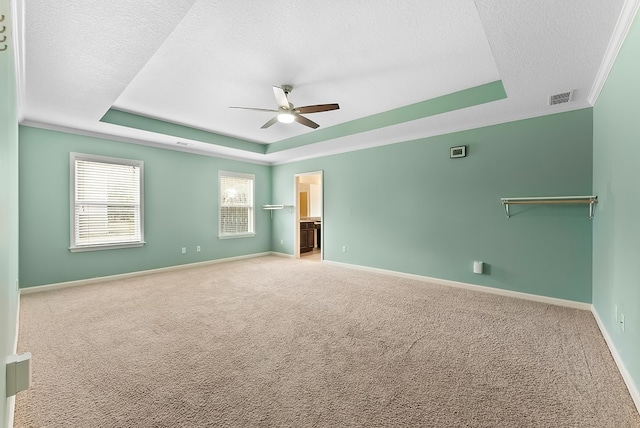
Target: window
(106, 203)
(236, 205)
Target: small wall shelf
(591, 200)
(271, 208)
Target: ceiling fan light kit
(287, 113)
(286, 117)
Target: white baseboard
(276, 253)
(11, 401)
(626, 376)
(50, 287)
(467, 286)
(633, 389)
(628, 380)
(11, 408)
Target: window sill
(105, 247)
(239, 235)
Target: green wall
(8, 209)
(616, 180)
(180, 197)
(404, 207)
(409, 208)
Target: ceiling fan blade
(317, 108)
(281, 97)
(255, 109)
(271, 122)
(303, 120)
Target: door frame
(296, 217)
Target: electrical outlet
(622, 322)
(198, 248)
(344, 248)
(282, 242)
(184, 250)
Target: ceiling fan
(287, 113)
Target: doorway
(309, 230)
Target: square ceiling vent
(562, 98)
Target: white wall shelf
(590, 199)
(272, 208)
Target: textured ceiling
(185, 62)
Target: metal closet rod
(589, 199)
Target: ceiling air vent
(562, 98)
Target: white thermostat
(458, 152)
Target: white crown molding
(563, 108)
(17, 22)
(462, 127)
(627, 15)
(141, 142)
(626, 376)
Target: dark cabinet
(307, 236)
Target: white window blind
(236, 205)
(106, 209)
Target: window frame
(252, 209)
(74, 246)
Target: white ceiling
(187, 61)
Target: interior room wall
(8, 209)
(181, 209)
(303, 188)
(408, 207)
(311, 179)
(616, 180)
(315, 200)
(312, 184)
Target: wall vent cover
(562, 98)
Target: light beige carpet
(293, 343)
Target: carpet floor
(292, 343)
